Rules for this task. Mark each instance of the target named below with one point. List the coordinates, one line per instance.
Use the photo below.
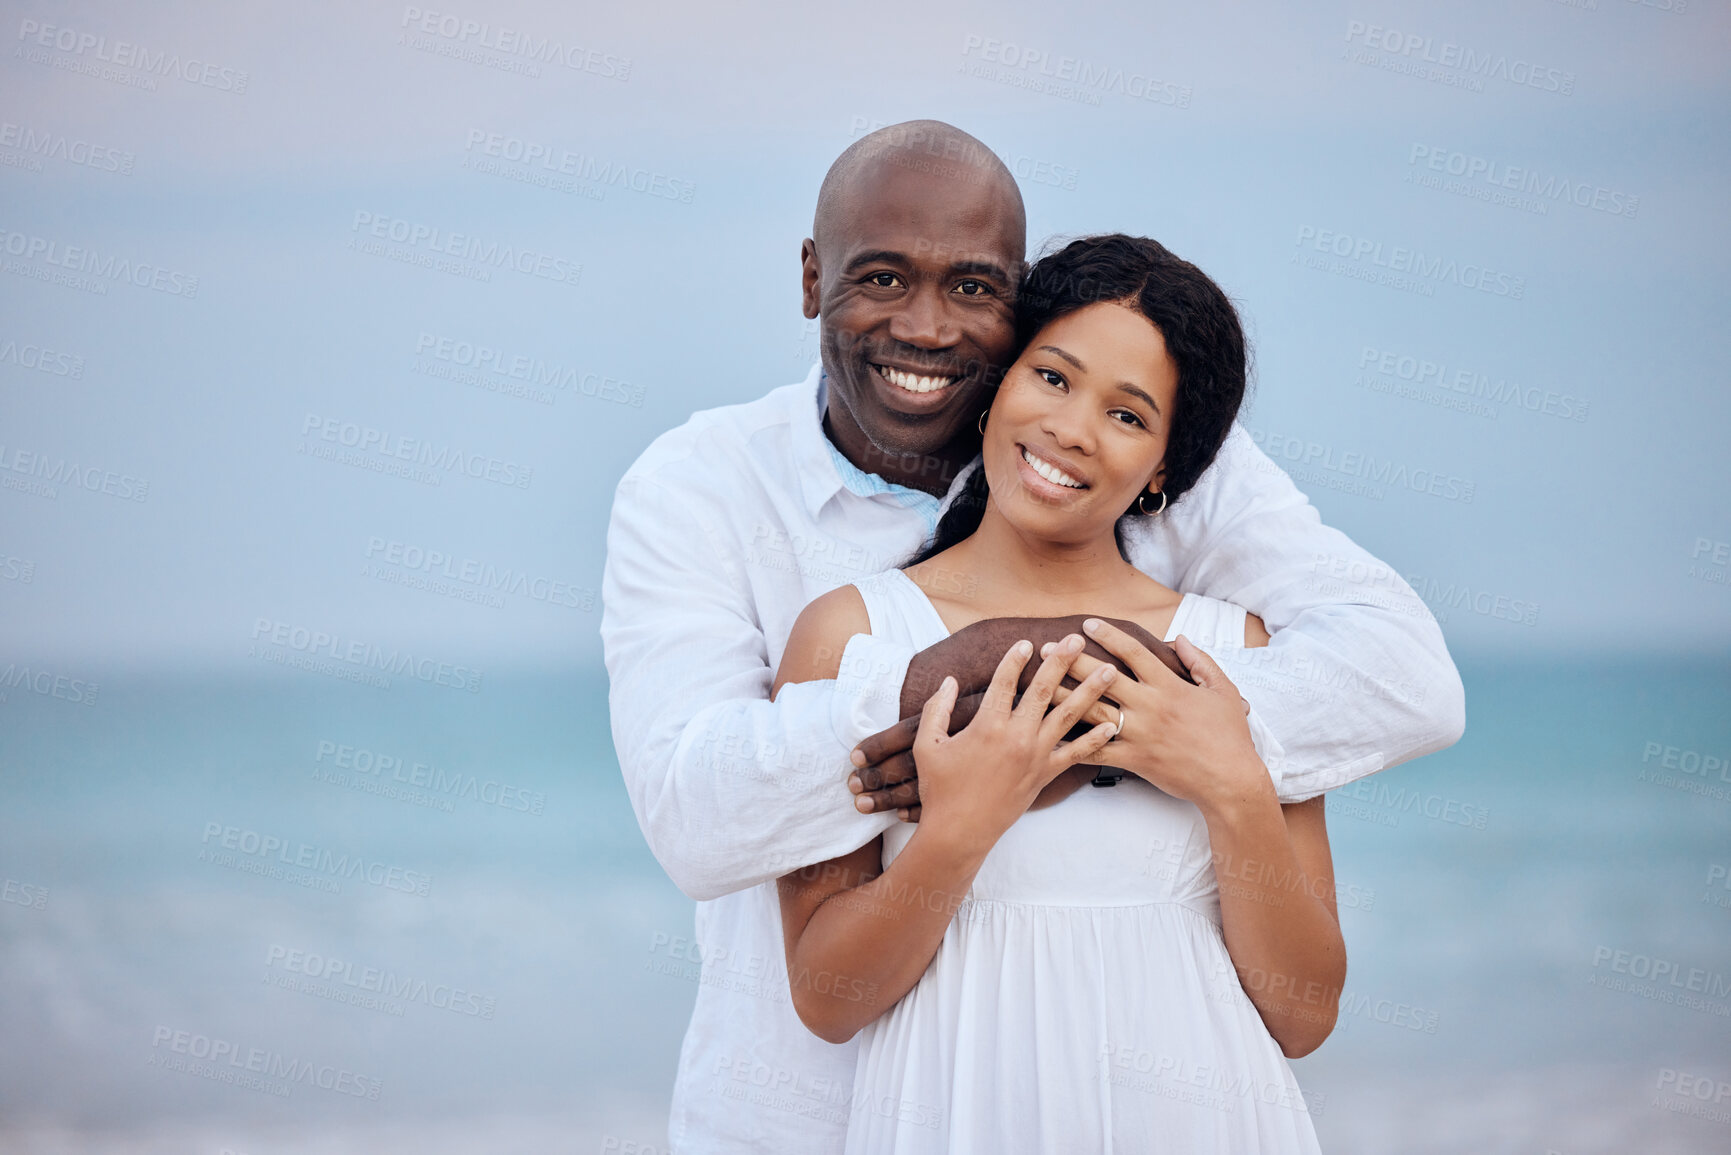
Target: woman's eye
(973, 288)
(1127, 417)
(884, 280)
(1051, 377)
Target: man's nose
(922, 321)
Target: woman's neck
(1010, 565)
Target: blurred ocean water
(281, 913)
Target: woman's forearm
(976, 785)
(1284, 940)
(866, 947)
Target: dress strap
(1211, 623)
(877, 602)
(900, 611)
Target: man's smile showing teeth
(913, 382)
(1050, 472)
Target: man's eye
(884, 280)
(973, 288)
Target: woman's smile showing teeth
(913, 382)
(1049, 471)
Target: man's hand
(972, 653)
(885, 775)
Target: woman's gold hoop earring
(1142, 504)
(982, 421)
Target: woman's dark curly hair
(1196, 320)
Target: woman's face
(1078, 428)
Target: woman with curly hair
(1038, 965)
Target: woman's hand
(885, 776)
(1189, 740)
(975, 783)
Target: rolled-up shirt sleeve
(1356, 676)
(730, 788)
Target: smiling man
(915, 252)
(727, 526)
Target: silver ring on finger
(1119, 732)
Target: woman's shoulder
(1155, 607)
(841, 613)
(1211, 623)
(820, 634)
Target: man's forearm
(730, 788)
(971, 654)
(745, 789)
(751, 790)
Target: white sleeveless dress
(1082, 999)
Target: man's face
(915, 285)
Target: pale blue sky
(1271, 131)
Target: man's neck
(931, 473)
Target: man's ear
(809, 276)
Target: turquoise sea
(275, 912)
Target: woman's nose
(1069, 426)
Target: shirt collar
(825, 471)
(813, 454)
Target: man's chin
(897, 435)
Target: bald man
(727, 526)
